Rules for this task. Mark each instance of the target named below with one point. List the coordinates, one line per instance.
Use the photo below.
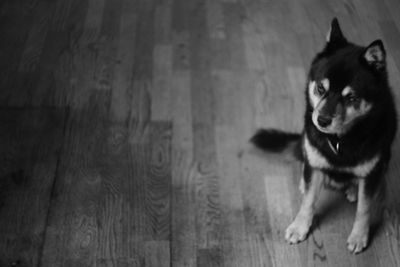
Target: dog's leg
(358, 239)
(298, 230)
(302, 185)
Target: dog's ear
(375, 55)
(335, 37)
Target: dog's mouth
(326, 130)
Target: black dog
(349, 125)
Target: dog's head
(344, 82)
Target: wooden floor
(124, 128)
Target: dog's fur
(349, 126)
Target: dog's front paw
(297, 230)
(357, 241)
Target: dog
(349, 126)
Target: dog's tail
(277, 141)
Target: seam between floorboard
(56, 174)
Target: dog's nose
(324, 121)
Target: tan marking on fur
(351, 193)
(317, 160)
(352, 113)
(302, 185)
(328, 35)
(345, 117)
(325, 83)
(332, 184)
(314, 99)
(346, 91)
(365, 168)
(374, 54)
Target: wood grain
(73, 227)
(151, 166)
(31, 141)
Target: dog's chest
(318, 161)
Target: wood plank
(183, 194)
(237, 238)
(162, 82)
(73, 227)
(17, 20)
(135, 196)
(157, 254)
(208, 209)
(112, 196)
(163, 97)
(158, 181)
(205, 167)
(31, 141)
(122, 82)
(34, 44)
(63, 61)
(234, 17)
(142, 88)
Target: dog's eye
(352, 98)
(320, 89)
